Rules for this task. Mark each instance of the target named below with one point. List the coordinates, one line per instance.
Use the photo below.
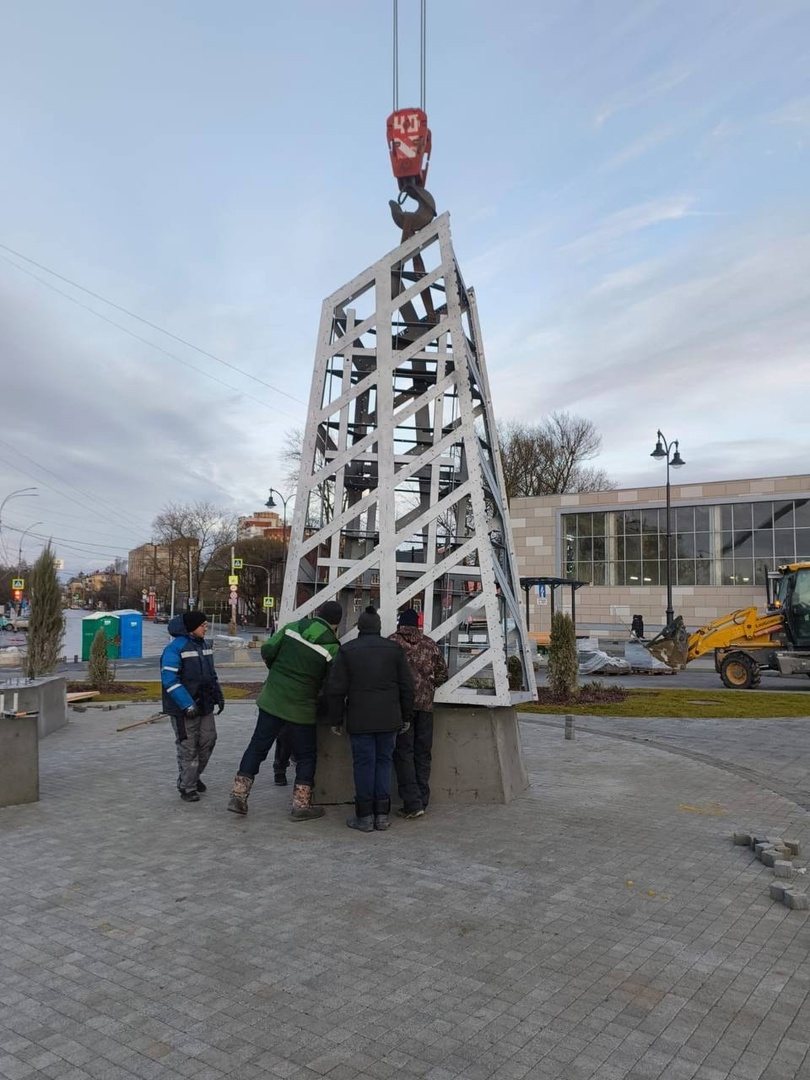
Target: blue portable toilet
(130, 633)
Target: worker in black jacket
(370, 689)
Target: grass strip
(697, 704)
(151, 691)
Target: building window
(730, 544)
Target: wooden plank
(82, 695)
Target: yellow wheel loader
(746, 641)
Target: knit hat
(408, 617)
(192, 620)
(331, 612)
(369, 622)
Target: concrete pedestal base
(19, 760)
(46, 697)
(477, 757)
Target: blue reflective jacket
(187, 672)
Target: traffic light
(16, 595)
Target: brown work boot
(302, 808)
(239, 794)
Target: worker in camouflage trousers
(191, 692)
(413, 750)
(298, 658)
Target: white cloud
(632, 219)
(639, 93)
(794, 113)
(638, 148)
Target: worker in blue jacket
(191, 691)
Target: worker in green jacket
(298, 658)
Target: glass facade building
(725, 544)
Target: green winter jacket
(298, 657)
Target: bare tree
(291, 455)
(549, 458)
(192, 534)
(321, 504)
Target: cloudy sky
(628, 187)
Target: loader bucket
(671, 646)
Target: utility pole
(233, 597)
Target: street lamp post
(19, 552)
(271, 505)
(255, 566)
(664, 449)
(20, 493)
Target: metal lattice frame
(400, 498)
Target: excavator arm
(745, 627)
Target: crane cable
(422, 55)
(396, 55)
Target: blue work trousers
(372, 756)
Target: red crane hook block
(409, 145)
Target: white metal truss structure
(400, 500)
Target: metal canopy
(528, 583)
(400, 499)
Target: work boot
(363, 819)
(201, 787)
(189, 796)
(280, 778)
(239, 794)
(382, 810)
(302, 808)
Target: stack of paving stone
(780, 856)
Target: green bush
(100, 674)
(514, 670)
(562, 657)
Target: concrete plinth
(19, 760)
(46, 697)
(477, 757)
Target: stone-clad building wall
(542, 550)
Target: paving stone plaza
(601, 927)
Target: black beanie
(330, 612)
(369, 622)
(408, 617)
(192, 620)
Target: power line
(146, 341)
(87, 544)
(146, 322)
(61, 517)
(66, 483)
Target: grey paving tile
(142, 937)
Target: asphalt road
(698, 676)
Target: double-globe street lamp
(670, 451)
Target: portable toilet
(110, 624)
(131, 633)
